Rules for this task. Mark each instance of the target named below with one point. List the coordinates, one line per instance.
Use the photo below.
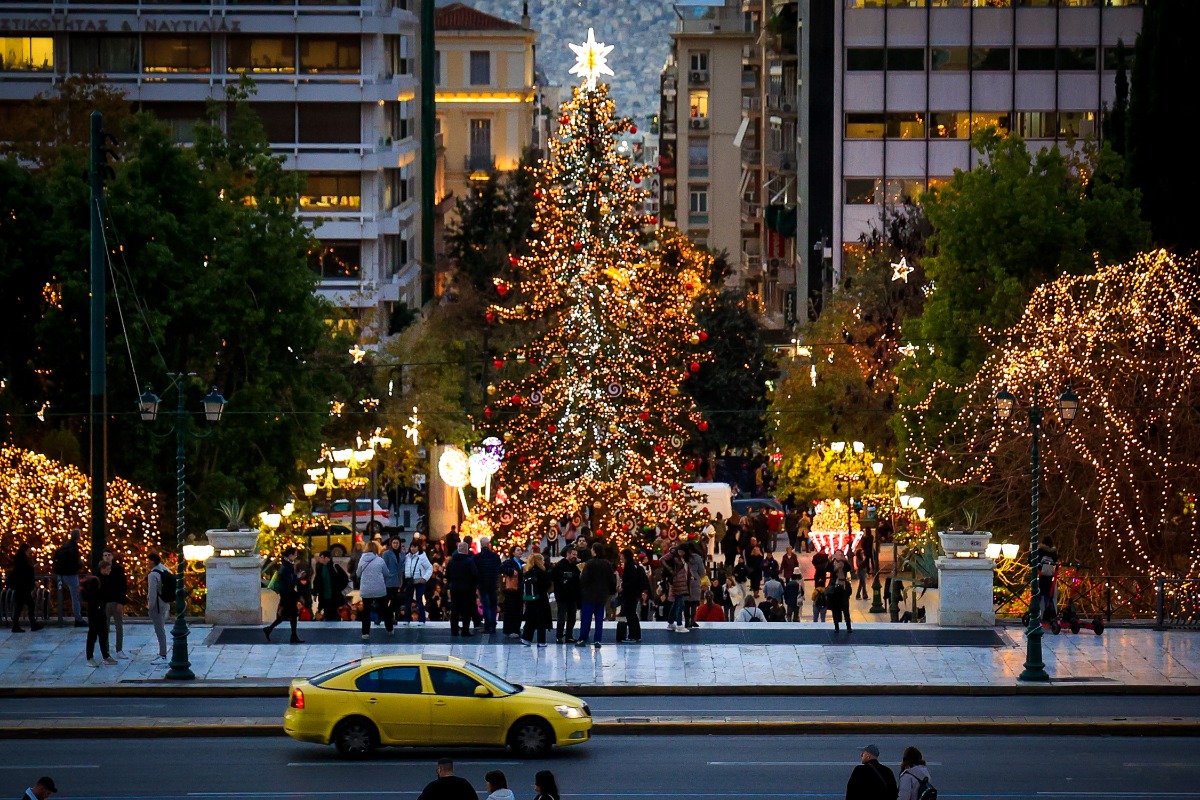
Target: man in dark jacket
(116, 595)
(448, 786)
(488, 564)
(462, 579)
(871, 780)
(68, 563)
(565, 576)
(597, 583)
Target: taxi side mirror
(482, 691)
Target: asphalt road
(13, 709)
(633, 768)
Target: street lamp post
(214, 405)
(1068, 406)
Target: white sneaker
(120, 654)
(91, 662)
(682, 629)
(111, 661)
(670, 626)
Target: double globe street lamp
(1068, 407)
(214, 406)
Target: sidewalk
(1118, 660)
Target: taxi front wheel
(355, 737)
(531, 737)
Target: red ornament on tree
(498, 363)
(516, 399)
(690, 286)
(675, 486)
(690, 466)
(535, 484)
(703, 336)
(502, 289)
(578, 246)
(552, 428)
(694, 366)
(647, 477)
(644, 416)
(652, 220)
(564, 120)
(537, 194)
(637, 178)
(703, 426)
(490, 317)
(658, 448)
(633, 128)
(487, 412)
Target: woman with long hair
(546, 786)
(914, 775)
(535, 589)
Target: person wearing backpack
(914, 777)
(597, 584)
(535, 591)
(160, 598)
(871, 780)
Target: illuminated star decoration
(412, 429)
(357, 353)
(907, 350)
(901, 270)
(591, 60)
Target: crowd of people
(727, 574)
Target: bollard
(876, 599)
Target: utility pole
(97, 405)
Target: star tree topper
(591, 60)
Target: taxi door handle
(371, 700)
(439, 702)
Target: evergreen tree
(590, 404)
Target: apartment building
(486, 95)
(336, 88)
(701, 122)
(887, 94)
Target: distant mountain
(640, 30)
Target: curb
(662, 728)
(206, 689)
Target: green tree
(1165, 50)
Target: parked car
(337, 539)
(426, 700)
(767, 505)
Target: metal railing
(47, 598)
(1178, 603)
(1131, 597)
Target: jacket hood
(502, 794)
(919, 773)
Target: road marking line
(49, 766)
(421, 764)
(793, 763)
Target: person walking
(372, 582)
(791, 526)
(565, 577)
(914, 774)
(394, 558)
(116, 595)
(837, 589)
(862, 564)
(447, 785)
(487, 561)
(545, 786)
(535, 591)
(93, 590)
(43, 789)
(21, 580)
(160, 596)
(788, 564)
(417, 571)
(820, 561)
(675, 571)
(635, 589)
(729, 544)
(597, 583)
(497, 786)
(288, 584)
(793, 596)
(696, 576)
(820, 603)
(67, 564)
(462, 579)
(871, 780)
(754, 565)
(773, 590)
(867, 543)
(510, 576)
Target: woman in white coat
(372, 583)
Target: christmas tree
(590, 406)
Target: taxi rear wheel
(531, 737)
(355, 737)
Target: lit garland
(590, 407)
(1127, 340)
(42, 500)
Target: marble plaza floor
(1129, 656)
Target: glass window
(1001, 121)
(180, 118)
(176, 54)
(865, 59)
(697, 152)
(481, 68)
(1073, 124)
(335, 55)
(698, 201)
(1077, 58)
(391, 680)
(1035, 58)
(991, 59)
(437, 67)
(332, 191)
(892, 125)
(698, 103)
(906, 59)
(1036, 124)
(865, 125)
(320, 680)
(950, 59)
(699, 60)
(104, 54)
(329, 123)
(26, 54)
(452, 683)
(949, 125)
(480, 143)
(337, 261)
(263, 54)
(904, 190)
(491, 677)
(278, 121)
(860, 191)
(1112, 62)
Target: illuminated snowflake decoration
(591, 60)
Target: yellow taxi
(423, 700)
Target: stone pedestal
(234, 579)
(965, 592)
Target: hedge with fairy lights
(590, 405)
(1119, 488)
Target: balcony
(782, 103)
(698, 123)
(479, 163)
(751, 54)
(781, 162)
(751, 210)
